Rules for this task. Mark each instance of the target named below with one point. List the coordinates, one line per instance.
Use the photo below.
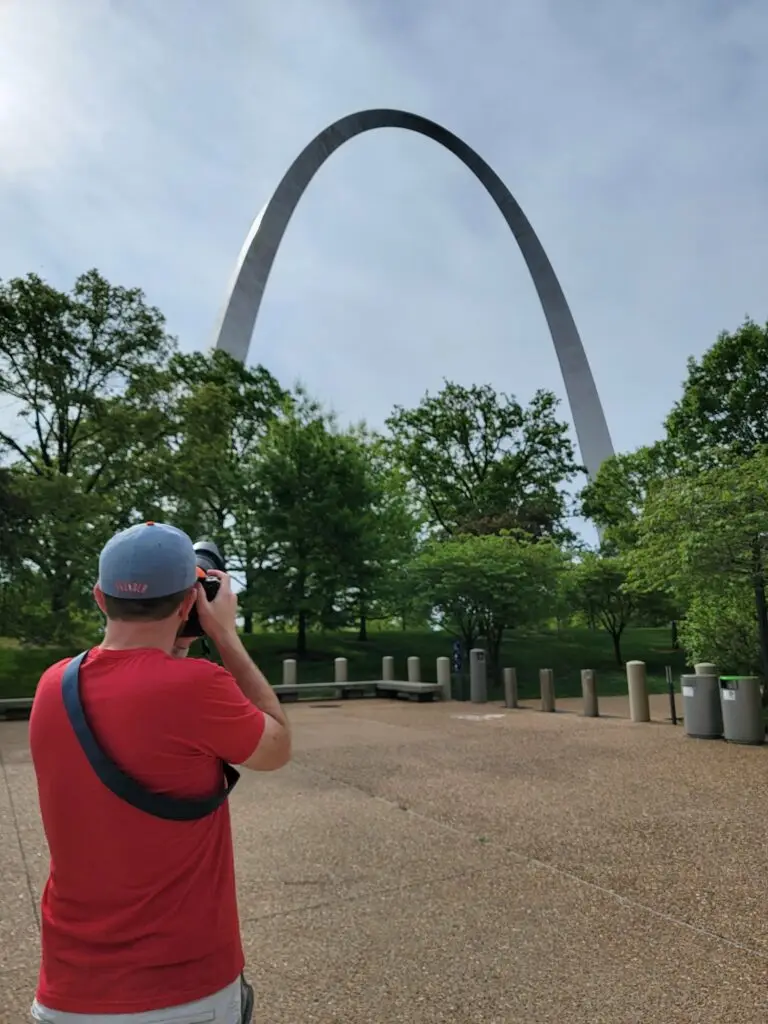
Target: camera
(207, 556)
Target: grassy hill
(566, 652)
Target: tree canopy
(480, 462)
(454, 514)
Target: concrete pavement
(414, 864)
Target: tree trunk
(362, 633)
(248, 622)
(762, 613)
(616, 637)
(301, 639)
(762, 631)
(494, 637)
(60, 587)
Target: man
(139, 915)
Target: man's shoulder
(204, 667)
(52, 675)
(201, 672)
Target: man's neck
(122, 636)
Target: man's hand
(219, 616)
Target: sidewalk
(412, 865)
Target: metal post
(444, 677)
(589, 693)
(705, 668)
(478, 678)
(547, 686)
(639, 708)
(457, 669)
(671, 692)
(510, 688)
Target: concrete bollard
(639, 708)
(387, 668)
(589, 693)
(414, 669)
(547, 686)
(478, 676)
(705, 668)
(340, 670)
(289, 672)
(510, 688)
(444, 677)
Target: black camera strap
(159, 805)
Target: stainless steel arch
(258, 253)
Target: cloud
(142, 139)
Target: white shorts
(224, 1007)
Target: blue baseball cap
(148, 560)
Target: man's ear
(186, 605)
(98, 596)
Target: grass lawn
(566, 653)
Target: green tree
(708, 535)
(721, 627)
(480, 462)
(80, 367)
(598, 589)
(385, 540)
(615, 499)
(15, 515)
(221, 411)
(486, 585)
(313, 493)
(723, 411)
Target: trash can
(702, 711)
(742, 710)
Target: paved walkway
(415, 865)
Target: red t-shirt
(139, 913)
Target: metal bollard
(510, 688)
(387, 668)
(639, 708)
(289, 672)
(340, 670)
(705, 668)
(478, 676)
(414, 670)
(444, 677)
(547, 686)
(589, 693)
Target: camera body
(207, 557)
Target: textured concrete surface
(427, 863)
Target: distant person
(139, 914)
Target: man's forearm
(249, 678)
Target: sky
(143, 136)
